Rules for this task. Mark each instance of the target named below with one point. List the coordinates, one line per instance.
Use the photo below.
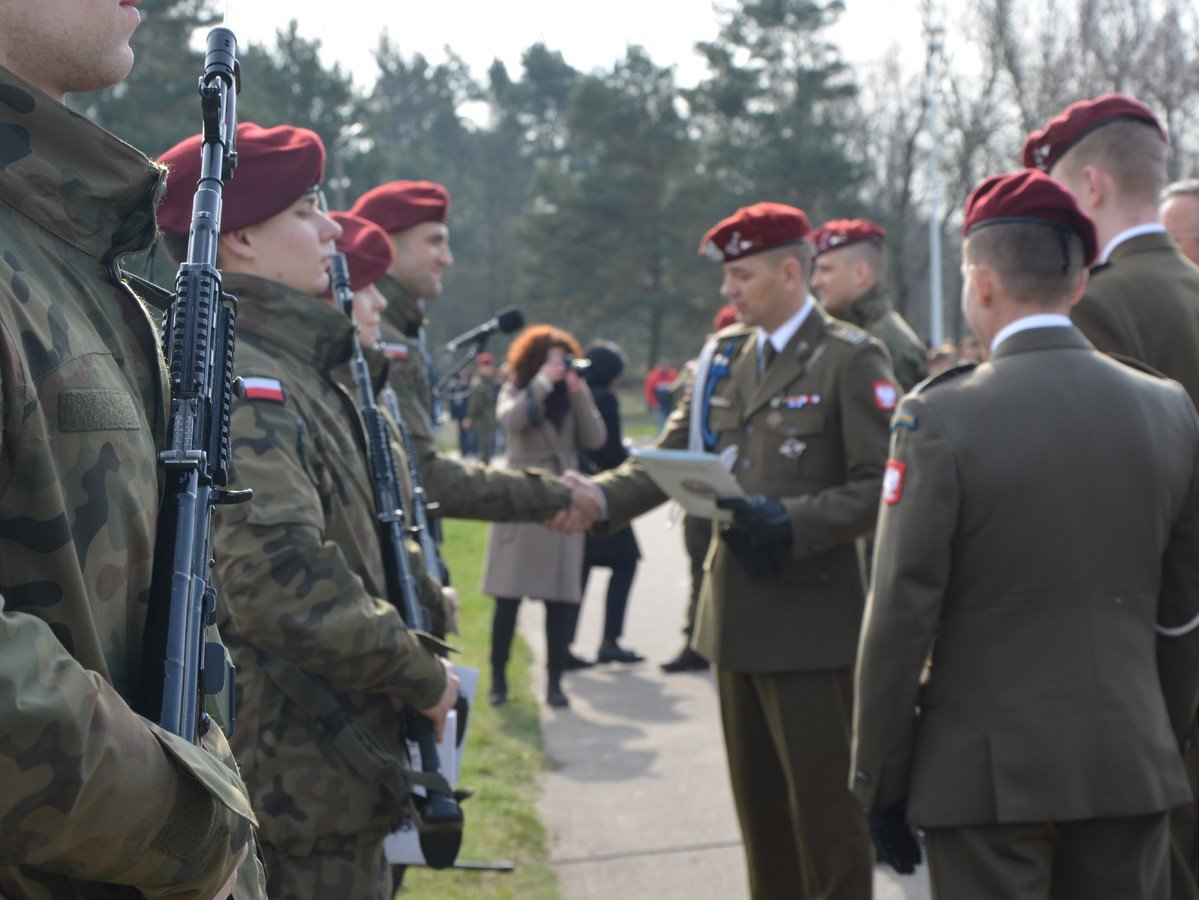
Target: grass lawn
(503, 757)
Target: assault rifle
(441, 817)
(182, 663)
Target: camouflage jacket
(874, 313)
(461, 490)
(302, 577)
(92, 796)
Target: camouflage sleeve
(291, 591)
(846, 511)
(470, 491)
(91, 791)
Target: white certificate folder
(693, 479)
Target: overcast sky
(588, 35)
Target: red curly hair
(529, 352)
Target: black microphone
(508, 321)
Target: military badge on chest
(792, 448)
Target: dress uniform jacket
(460, 490)
(874, 314)
(89, 791)
(302, 579)
(526, 560)
(813, 433)
(1144, 303)
(1041, 517)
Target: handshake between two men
(759, 535)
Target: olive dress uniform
(1040, 518)
(812, 432)
(302, 584)
(95, 801)
(874, 314)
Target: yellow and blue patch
(904, 418)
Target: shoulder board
(395, 350)
(845, 332)
(947, 375)
(737, 330)
(154, 294)
(1137, 364)
(260, 388)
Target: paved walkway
(636, 795)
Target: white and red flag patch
(893, 481)
(886, 395)
(258, 388)
(395, 350)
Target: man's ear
(985, 285)
(1095, 186)
(793, 274)
(237, 244)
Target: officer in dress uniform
(799, 402)
(1179, 211)
(848, 279)
(1142, 299)
(325, 660)
(1038, 558)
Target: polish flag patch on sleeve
(395, 351)
(886, 396)
(258, 388)
(893, 481)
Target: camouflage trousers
(355, 871)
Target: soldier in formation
(96, 800)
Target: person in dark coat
(618, 551)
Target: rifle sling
(354, 743)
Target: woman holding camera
(547, 410)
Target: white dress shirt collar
(1037, 320)
(782, 335)
(1129, 233)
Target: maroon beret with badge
(401, 204)
(1029, 196)
(843, 232)
(753, 229)
(366, 246)
(1044, 148)
(275, 167)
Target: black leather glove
(760, 535)
(894, 839)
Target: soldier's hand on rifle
(449, 699)
(455, 606)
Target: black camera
(580, 365)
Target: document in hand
(692, 478)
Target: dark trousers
(1090, 859)
(559, 619)
(619, 586)
(787, 737)
(697, 538)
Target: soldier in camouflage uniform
(480, 405)
(326, 661)
(848, 280)
(95, 801)
(413, 213)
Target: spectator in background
(1180, 214)
(480, 407)
(457, 392)
(657, 390)
(617, 551)
(549, 413)
(942, 358)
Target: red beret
(1045, 147)
(1029, 196)
(725, 316)
(366, 246)
(485, 359)
(753, 229)
(275, 167)
(401, 204)
(843, 232)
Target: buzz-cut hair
(1035, 263)
(1188, 187)
(872, 252)
(1132, 151)
(800, 250)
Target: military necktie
(766, 357)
